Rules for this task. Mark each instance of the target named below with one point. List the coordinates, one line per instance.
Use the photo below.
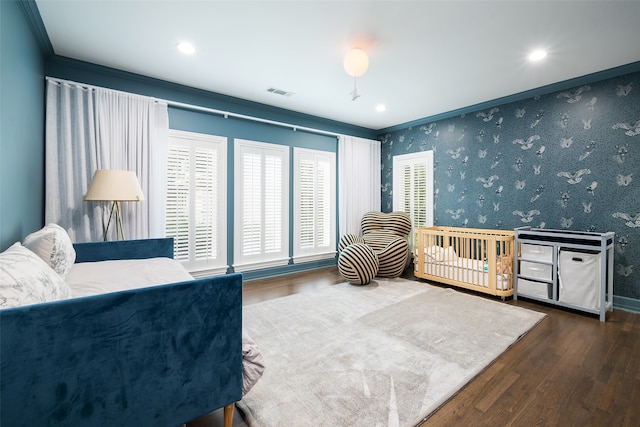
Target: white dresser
(565, 268)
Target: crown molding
(540, 91)
(32, 14)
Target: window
(314, 204)
(196, 201)
(261, 220)
(413, 187)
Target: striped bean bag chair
(358, 264)
(386, 234)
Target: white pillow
(53, 245)
(27, 279)
(435, 253)
(438, 253)
(450, 254)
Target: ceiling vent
(280, 91)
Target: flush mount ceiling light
(356, 63)
(186, 48)
(537, 55)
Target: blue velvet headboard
(124, 249)
(157, 356)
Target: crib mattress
(470, 271)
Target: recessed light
(186, 48)
(537, 55)
(380, 108)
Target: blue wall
(562, 160)
(92, 74)
(575, 125)
(243, 129)
(27, 57)
(21, 125)
(203, 122)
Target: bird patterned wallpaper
(565, 160)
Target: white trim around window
(314, 206)
(196, 214)
(261, 207)
(413, 186)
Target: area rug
(385, 354)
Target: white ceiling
(426, 57)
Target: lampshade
(114, 185)
(356, 62)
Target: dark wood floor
(570, 370)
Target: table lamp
(109, 185)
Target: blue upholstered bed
(155, 356)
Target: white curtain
(359, 181)
(89, 128)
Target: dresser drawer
(536, 270)
(534, 289)
(536, 252)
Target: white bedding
(91, 278)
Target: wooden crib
(476, 259)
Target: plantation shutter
(307, 202)
(418, 190)
(273, 204)
(262, 202)
(206, 204)
(178, 195)
(252, 204)
(324, 210)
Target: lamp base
(115, 209)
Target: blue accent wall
(568, 159)
(22, 68)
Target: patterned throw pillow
(53, 245)
(27, 279)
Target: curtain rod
(225, 114)
(228, 114)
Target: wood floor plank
(489, 400)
